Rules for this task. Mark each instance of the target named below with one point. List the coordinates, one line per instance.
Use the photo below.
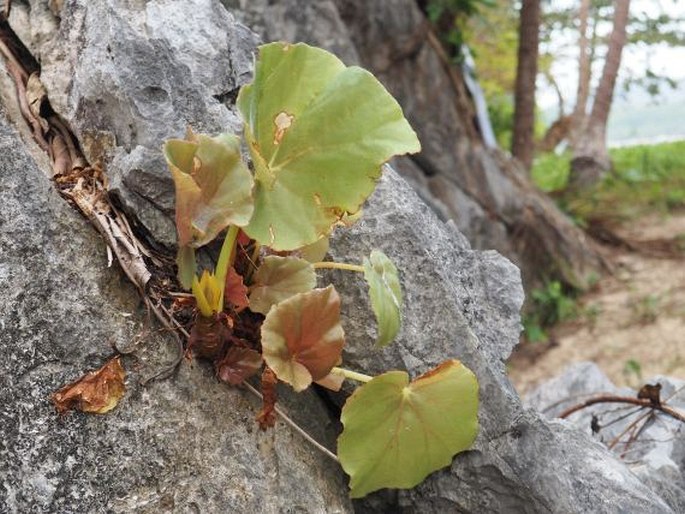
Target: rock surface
(460, 303)
(657, 456)
(184, 445)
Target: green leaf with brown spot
(213, 186)
(318, 133)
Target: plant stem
(226, 258)
(352, 375)
(253, 262)
(295, 426)
(338, 265)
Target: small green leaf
(318, 133)
(396, 432)
(302, 337)
(279, 278)
(386, 295)
(213, 186)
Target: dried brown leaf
(97, 391)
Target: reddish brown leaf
(302, 338)
(267, 416)
(97, 391)
(235, 291)
(238, 364)
(243, 238)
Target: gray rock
(128, 76)
(184, 445)
(657, 456)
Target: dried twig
(623, 399)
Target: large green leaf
(213, 186)
(279, 278)
(396, 432)
(302, 338)
(318, 133)
(386, 295)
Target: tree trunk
(578, 118)
(522, 146)
(591, 158)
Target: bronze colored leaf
(97, 392)
(302, 338)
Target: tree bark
(522, 146)
(578, 118)
(591, 158)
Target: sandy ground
(632, 324)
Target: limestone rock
(657, 456)
(129, 76)
(181, 445)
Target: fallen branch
(642, 402)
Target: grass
(645, 179)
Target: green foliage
(644, 179)
(632, 371)
(646, 309)
(397, 432)
(451, 18)
(213, 186)
(551, 171)
(318, 133)
(386, 295)
(550, 305)
(315, 158)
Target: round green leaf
(279, 278)
(213, 186)
(302, 337)
(318, 133)
(386, 295)
(396, 432)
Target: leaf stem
(226, 258)
(296, 427)
(338, 265)
(352, 375)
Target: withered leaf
(267, 416)
(97, 391)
